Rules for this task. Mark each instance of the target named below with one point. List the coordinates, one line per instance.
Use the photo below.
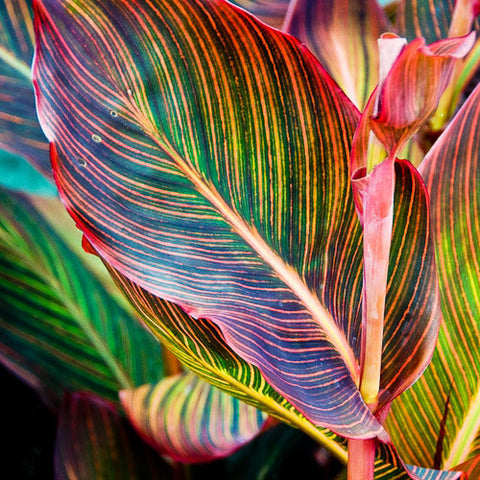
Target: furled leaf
(343, 35)
(197, 187)
(199, 345)
(442, 410)
(94, 443)
(189, 420)
(59, 328)
(410, 93)
(20, 132)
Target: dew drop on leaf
(96, 138)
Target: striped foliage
(272, 12)
(389, 466)
(200, 213)
(189, 420)
(209, 165)
(442, 410)
(343, 35)
(199, 344)
(20, 132)
(429, 19)
(94, 443)
(59, 328)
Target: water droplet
(81, 162)
(96, 138)
(113, 113)
(129, 91)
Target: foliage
(244, 188)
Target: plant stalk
(361, 459)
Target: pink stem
(361, 459)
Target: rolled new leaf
(189, 420)
(95, 443)
(448, 393)
(20, 132)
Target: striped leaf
(389, 466)
(343, 35)
(212, 170)
(442, 410)
(175, 185)
(200, 345)
(429, 19)
(272, 12)
(20, 132)
(94, 443)
(189, 420)
(59, 328)
(471, 468)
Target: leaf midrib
(38, 266)
(284, 272)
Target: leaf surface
(442, 409)
(233, 200)
(429, 19)
(200, 346)
(94, 443)
(59, 328)
(197, 187)
(272, 12)
(20, 132)
(343, 35)
(189, 420)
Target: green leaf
(18, 174)
(200, 345)
(389, 466)
(214, 198)
(20, 132)
(189, 420)
(429, 19)
(442, 410)
(59, 328)
(94, 443)
(343, 35)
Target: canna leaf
(20, 132)
(443, 407)
(59, 328)
(471, 468)
(410, 93)
(429, 19)
(197, 187)
(200, 345)
(94, 443)
(189, 420)
(272, 12)
(389, 466)
(217, 199)
(343, 35)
